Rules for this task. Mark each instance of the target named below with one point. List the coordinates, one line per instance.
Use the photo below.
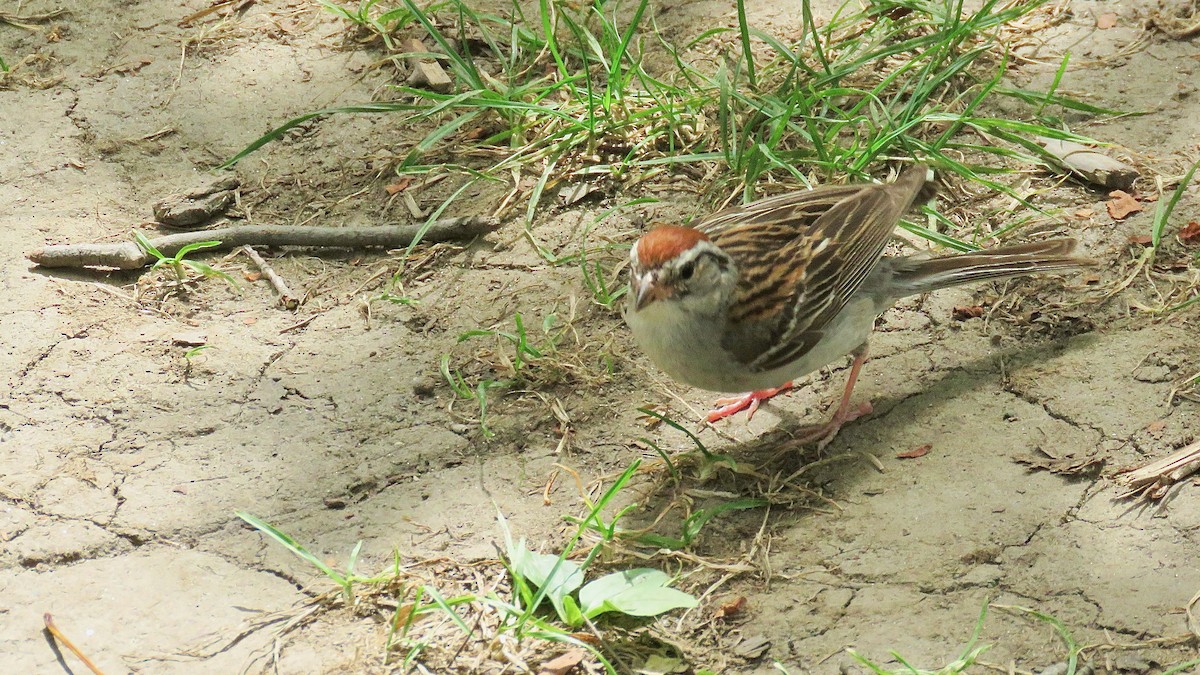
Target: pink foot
(749, 403)
(823, 434)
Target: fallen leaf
(586, 637)
(1122, 205)
(1141, 239)
(1190, 233)
(562, 664)
(1069, 465)
(1106, 21)
(399, 186)
(963, 313)
(919, 451)
(571, 194)
(1156, 428)
(752, 647)
(1084, 213)
(731, 608)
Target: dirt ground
(122, 461)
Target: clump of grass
(520, 359)
(589, 93)
(179, 263)
(967, 657)
(540, 605)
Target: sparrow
(753, 297)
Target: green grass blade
(292, 545)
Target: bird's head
(679, 264)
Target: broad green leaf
(558, 577)
(638, 592)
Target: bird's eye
(687, 270)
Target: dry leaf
(1156, 428)
(1084, 213)
(963, 313)
(562, 664)
(1190, 233)
(399, 186)
(586, 637)
(1068, 466)
(919, 451)
(1122, 205)
(1106, 21)
(752, 647)
(731, 608)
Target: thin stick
(286, 296)
(129, 256)
(58, 635)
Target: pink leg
(749, 403)
(823, 434)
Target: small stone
(423, 386)
(1153, 374)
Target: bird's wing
(801, 257)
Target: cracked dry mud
(121, 465)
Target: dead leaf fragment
(731, 608)
(1122, 205)
(963, 313)
(919, 451)
(752, 646)
(1106, 21)
(1156, 428)
(399, 186)
(1067, 466)
(562, 664)
(1190, 233)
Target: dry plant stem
(24, 21)
(286, 296)
(58, 635)
(1151, 480)
(129, 256)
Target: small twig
(371, 279)
(25, 21)
(286, 296)
(1192, 623)
(129, 256)
(58, 635)
(298, 325)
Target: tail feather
(917, 274)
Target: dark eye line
(687, 270)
